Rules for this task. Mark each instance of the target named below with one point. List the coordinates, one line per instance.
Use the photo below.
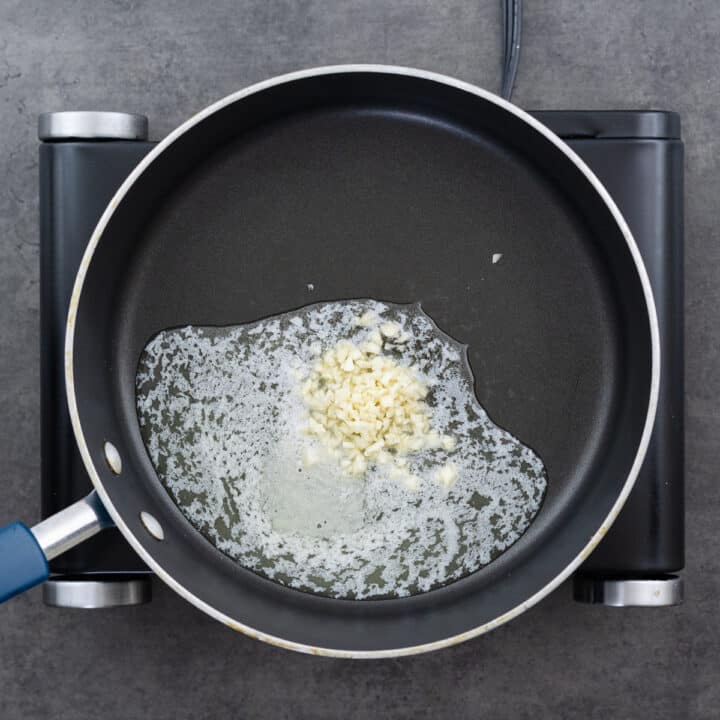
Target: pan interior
(266, 206)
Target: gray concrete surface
(168, 59)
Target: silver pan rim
(118, 519)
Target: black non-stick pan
(367, 182)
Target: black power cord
(512, 25)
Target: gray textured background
(169, 59)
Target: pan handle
(24, 551)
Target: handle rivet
(152, 525)
(112, 457)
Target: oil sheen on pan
(337, 449)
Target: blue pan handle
(24, 551)
(22, 561)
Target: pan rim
(389, 70)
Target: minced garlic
(367, 408)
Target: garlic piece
(447, 475)
(366, 319)
(448, 443)
(390, 330)
(371, 348)
(411, 482)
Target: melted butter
(224, 421)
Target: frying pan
(394, 184)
